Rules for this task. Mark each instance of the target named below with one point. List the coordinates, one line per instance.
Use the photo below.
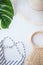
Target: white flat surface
(25, 8)
(20, 29)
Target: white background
(21, 29)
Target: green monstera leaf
(6, 13)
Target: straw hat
(36, 56)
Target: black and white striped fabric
(2, 57)
(19, 55)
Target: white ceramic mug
(36, 4)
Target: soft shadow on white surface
(20, 29)
(25, 9)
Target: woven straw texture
(36, 57)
